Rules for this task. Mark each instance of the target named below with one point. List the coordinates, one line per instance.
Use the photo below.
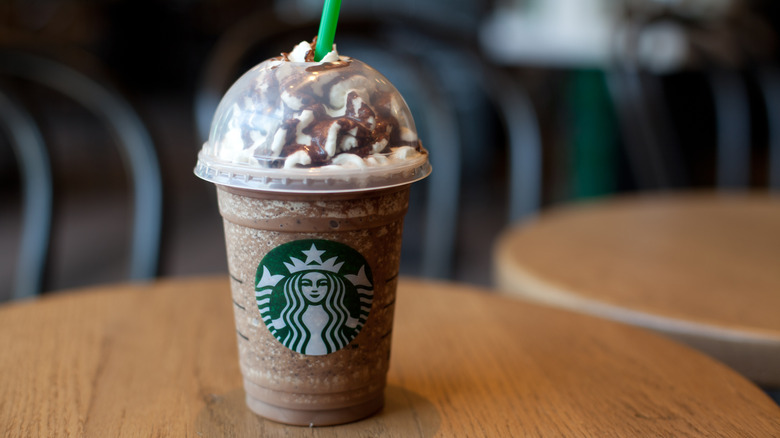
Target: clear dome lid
(312, 127)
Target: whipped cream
(304, 52)
(291, 112)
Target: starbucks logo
(314, 295)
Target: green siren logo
(314, 295)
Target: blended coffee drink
(313, 162)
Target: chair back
(29, 144)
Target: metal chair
(728, 73)
(133, 140)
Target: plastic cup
(313, 248)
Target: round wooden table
(703, 268)
(160, 360)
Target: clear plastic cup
(313, 163)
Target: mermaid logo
(314, 295)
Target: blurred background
(523, 104)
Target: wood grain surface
(701, 267)
(160, 360)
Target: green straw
(330, 15)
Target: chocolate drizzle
(323, 121)
(325, 66)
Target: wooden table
(160, 360)
(701, 267)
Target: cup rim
(314, 179)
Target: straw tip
(327, 31)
